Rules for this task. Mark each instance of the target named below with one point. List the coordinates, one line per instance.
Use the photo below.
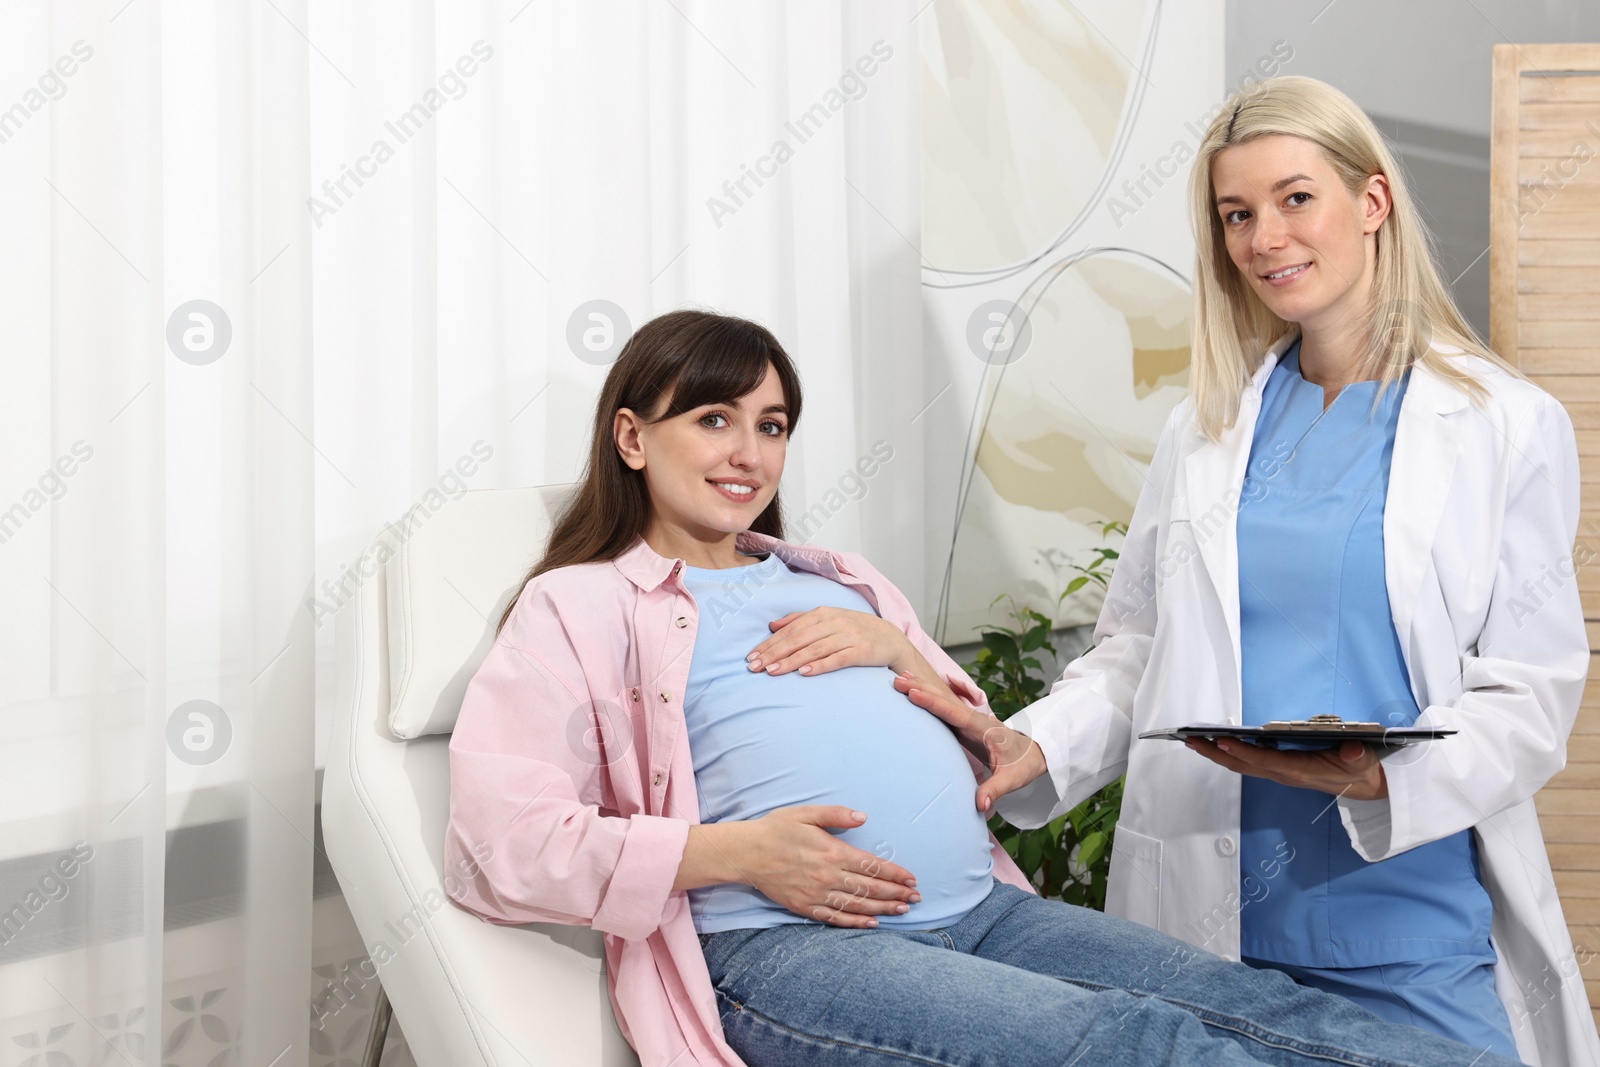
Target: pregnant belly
(848, 738)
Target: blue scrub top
(1317, 637)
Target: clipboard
(1318, 733)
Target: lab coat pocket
(1133, 889)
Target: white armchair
(467, 992)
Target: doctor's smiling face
(709, 470)
(1304, 242)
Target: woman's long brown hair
(689, 358)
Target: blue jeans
(1024, 982)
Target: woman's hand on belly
(789, 856)
(1013, 759)
(827, 639)
(1351, 770)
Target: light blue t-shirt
(761, 742)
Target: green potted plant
(1068, 858)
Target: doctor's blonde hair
(1410, 305)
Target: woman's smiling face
(1303, 243)
(712, 470)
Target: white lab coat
(1478, 531)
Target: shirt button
(1226, 846)
(682, 621)
(634, 692)
(657, 779)
(664, 697)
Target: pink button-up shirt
(570, 762)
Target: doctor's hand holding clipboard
(1358, 510)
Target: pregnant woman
(783, 853)
(1360, 511)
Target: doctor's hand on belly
(1013, 759)
(1352, 770)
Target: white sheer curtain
(242, 336)
(156, 790)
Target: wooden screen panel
(1544, 316)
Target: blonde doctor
(1357, 510)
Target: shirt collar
(1274, 353)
